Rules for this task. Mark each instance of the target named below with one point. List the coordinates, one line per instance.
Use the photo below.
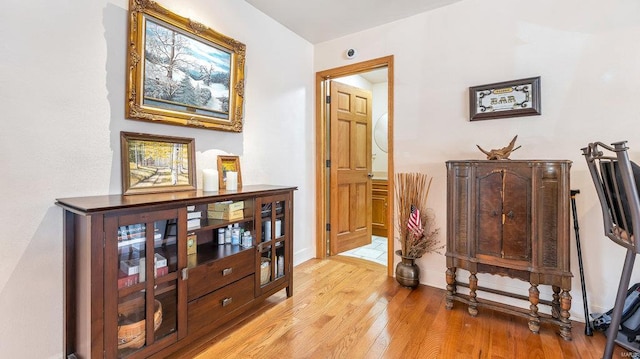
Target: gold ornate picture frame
(153, 163)
(225, 164)
(181, 72)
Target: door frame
(322, 147)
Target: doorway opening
(376, 77)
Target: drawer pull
(227, 271)
(226, 301)
(185, 273)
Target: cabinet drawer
(379, 186)
(216, 308)
(208, 277)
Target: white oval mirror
(380, 132)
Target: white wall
(379, 107)
(62, 90)
(587, 56)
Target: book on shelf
(228, 206)
(130, 266)
(193, 223)
(125, 280)
(136, 267)
(194, 215)
(192, 243)
(192, 260)
(162, 271)
(227, 215)
(132, 242)
(131, 231)
(160, 261)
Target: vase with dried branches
(414, 225)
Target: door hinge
(328, 99)
(104, 240)
(328, 163)
(328, 227)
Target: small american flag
(415, 223)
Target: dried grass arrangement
(415, 219)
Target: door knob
(370, 175)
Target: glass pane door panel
(166, 321)
(266, 266)
(279, 262)
(279, 229)
(279, 208)
(266, 230)
(165, 247)
(131, 254)
(131, 323)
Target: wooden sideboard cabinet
(379, 205)
(511, 218)
(157, 257)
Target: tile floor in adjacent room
(375, 252)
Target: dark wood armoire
(511, 218)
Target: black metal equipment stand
(588, 330)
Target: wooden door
(350, 183)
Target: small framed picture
(226, 164)
(152, 163)
(505, 99)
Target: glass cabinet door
(146, 259)
(273, 242)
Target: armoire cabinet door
(504, 217)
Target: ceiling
(322, 20)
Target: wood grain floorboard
(345, 307)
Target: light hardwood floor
(348, 308)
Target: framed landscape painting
(152, 163)
(181, 72)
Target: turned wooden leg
(473, 302)
(534, 317)
(555, 303)
(451, 286)
(565, 307)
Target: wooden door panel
(344, 208)
(350, 186)
(379, 208)
(490, 214)
(360, 154)
(360, 218)
(517, 223)
(344, 143)
(379, 211)
(344, 101)
(550, 252)
(361, 105)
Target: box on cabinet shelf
(226, 206)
